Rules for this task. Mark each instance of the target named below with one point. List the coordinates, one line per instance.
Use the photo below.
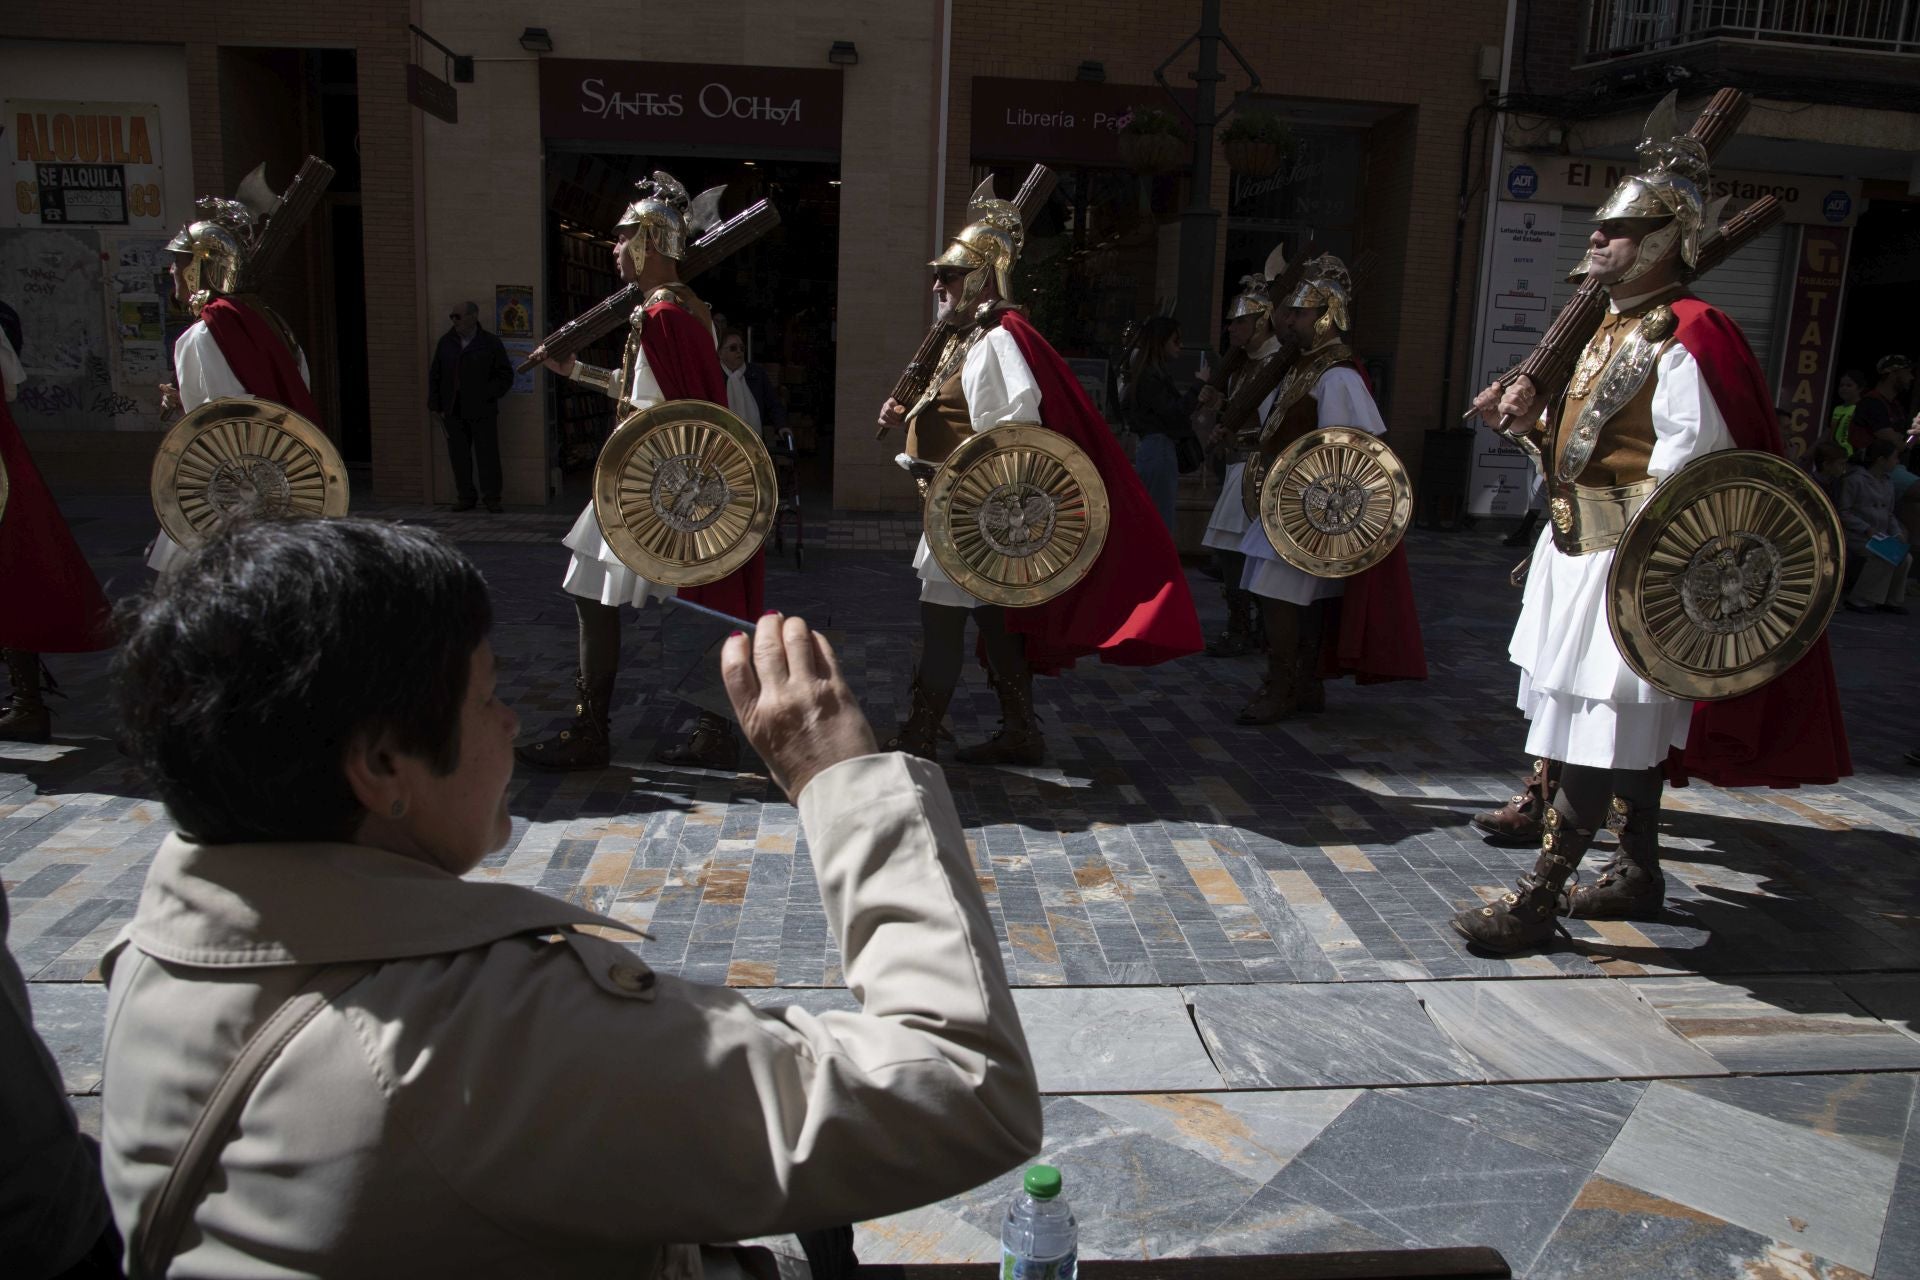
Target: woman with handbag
(1160, 414)
(330, 1054)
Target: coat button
(630, 977)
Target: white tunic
(1342, 401)
(203, 374)
(999, 387)
(1228, 523)
(595, 572)
(1585, 704)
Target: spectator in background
(750, 392)
(1852, 383)
(470, 373)
(1830, 469)
(1866, 513)
(1882, 407)
(1157, 411)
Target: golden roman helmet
(658, 218)
(1252, 300)
(1326, 283)
(992, 240)
(1674, 169)
(218, 245)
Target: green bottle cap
(1043, 1182)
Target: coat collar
(248, 905)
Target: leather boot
(712, 745)
(1526, 916)
(920, 732)
(1256, 627)
(1019, 740)
(1630, 885)
(1309, 690)
(25, 717)
(1516, 824)
(1238, 638)
(1276, 699)
(584, 744)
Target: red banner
(1813, 315)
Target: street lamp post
(1200, 221)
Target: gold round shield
(684, 492)
(5, 488)
(243, 456)
(1726, 577)
(1336, 501)
(1251, 476)
(1017, 514)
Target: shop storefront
(757, 132)
(1783, 288)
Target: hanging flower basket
(1257, 143)
(1253, 159)
(1152, 141)
(1152, 152)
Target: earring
(398, 809)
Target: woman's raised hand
(793, 703)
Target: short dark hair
(1880, 447)
(251, 666)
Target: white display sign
(1516, 309)
(83, 164)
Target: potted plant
(1152, 141)
(1256, 142)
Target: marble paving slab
(1575, 1123)
(71, 1018)
(1133, 1195)
(1129, 1039)
(1409, 1177)
(1782, 1181)
(1326, 1034)
(1894, 998)
(1561, 1029)
(1778, 1024)
(1868, 1110)
(1622, 1233)
(1250, 1134)
(1900, 1239)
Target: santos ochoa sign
(764, 108)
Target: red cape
(1378, 637)
(1789, 732)
(52, 602)
(1133, 607)
(257, 356)
(681, 354)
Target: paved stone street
(1255, 1028)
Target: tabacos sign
(770, 108)
(1586, 180)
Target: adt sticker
(1838, 205)
(1522, 182)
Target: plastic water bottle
(1039, 1240)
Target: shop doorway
(1883, 278)
(780, 293)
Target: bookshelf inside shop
(583, 416)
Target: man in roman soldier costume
(55, 604)
(1370, 616)
(236, 346)
(670, 355)
(1250, 331)
(1133, 606)
(1664, 381)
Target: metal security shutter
(1745, 286)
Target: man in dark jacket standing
(469, 375)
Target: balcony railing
(1616, 28)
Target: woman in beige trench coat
(496, 1091)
